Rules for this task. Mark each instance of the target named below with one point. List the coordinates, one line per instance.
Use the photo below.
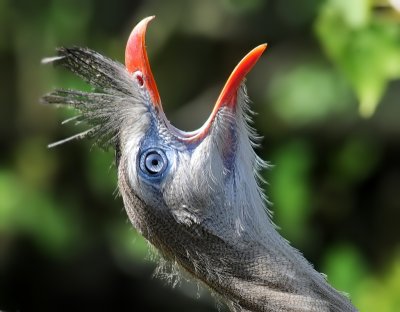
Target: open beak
(136, 61)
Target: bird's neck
(257, 271)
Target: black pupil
(154, 162)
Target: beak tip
(264, 46)
(136, 43)
(147, 20)
(228, 94)
(136, 57)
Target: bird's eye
(153, 162)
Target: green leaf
(365, 48)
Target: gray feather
(115, 99)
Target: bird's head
(191, 174)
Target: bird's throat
(254, 274)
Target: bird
(195, 196)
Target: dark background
(65, 241)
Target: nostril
(139, 78)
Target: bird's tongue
(136, 61)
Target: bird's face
(188, 193)
(191, 176)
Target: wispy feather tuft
(105, 109)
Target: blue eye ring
(153, 162)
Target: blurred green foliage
(64, 236)
(364, 46)
(293, 173)
(292, 100)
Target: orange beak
(136, 60)
(228, 95)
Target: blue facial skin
(157, 154)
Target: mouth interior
(227, 97)
(136, 59)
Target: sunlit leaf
(365, 48)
